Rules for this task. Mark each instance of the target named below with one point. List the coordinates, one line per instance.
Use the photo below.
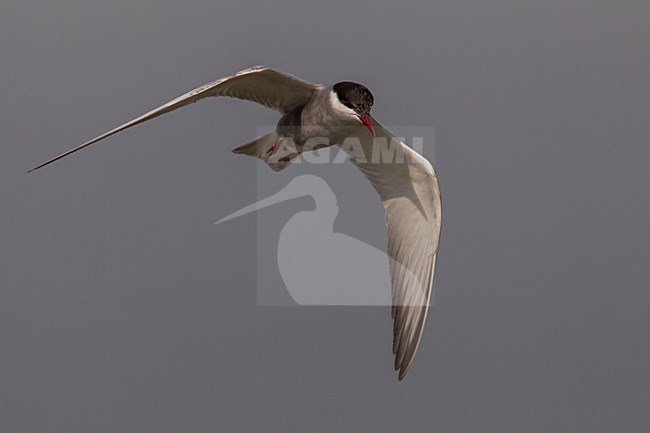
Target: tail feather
(277, 152)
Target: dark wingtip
(46, 163)
(36, 168)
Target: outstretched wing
(408, 188)
(260, 84)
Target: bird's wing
(259, 84)
(408, 187)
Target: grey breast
(290, 125)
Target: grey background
(123, 308)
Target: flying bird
(316, 116)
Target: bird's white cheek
(341, 109)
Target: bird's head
(353, 100)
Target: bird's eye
(350, 106)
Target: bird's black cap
(355, 96)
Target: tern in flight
(316, 116)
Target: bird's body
(315, 116)
(322, 121)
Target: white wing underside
(259, 84)
(408, 188)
